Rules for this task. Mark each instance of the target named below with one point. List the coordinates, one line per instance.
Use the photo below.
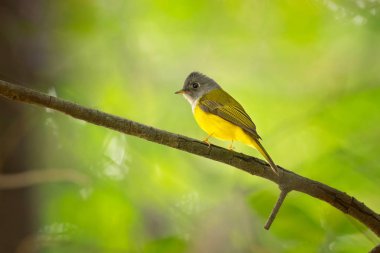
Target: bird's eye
(195, 85)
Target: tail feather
(256, 143)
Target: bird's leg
(231, 147)
(205, 140)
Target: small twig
(276, 208)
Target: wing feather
(229, 109)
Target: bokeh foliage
(308, 73)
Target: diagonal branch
(276, 208)
(288, 180)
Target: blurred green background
(307, 71)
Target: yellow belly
(219, 128)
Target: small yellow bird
(220, 115)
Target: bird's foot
(231, 147)
(205, 140)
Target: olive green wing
(220, 103)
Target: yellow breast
(219, 128)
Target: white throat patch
(192, 102)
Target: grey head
(196, 85)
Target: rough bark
(287, 181)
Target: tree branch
(33, 177)
(276, 208)
(376, 249)
(287, 180)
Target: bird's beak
(180, 92)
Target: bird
(220, 115)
